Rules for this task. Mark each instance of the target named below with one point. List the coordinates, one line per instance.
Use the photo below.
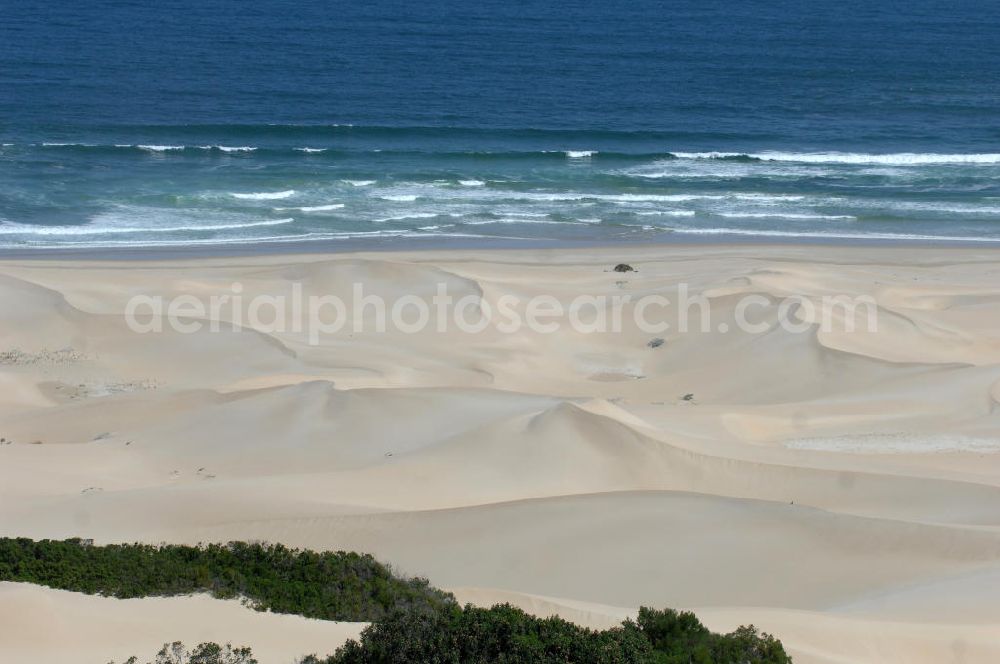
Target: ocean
(190, 123)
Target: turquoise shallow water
(153, 194)
(185, 124)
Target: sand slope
(844, 485)
(59, 627)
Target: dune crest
(845, 486)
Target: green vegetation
(508, 635)
(410, 620)
(268, 577)
(206, 653)
(504, 634)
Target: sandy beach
(840, 489)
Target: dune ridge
(747, 476)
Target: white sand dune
(839, 489)
(58, 627)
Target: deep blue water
(128, 123)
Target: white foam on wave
(541, 196)
(580, 154)
(158, 148)
(264, 195)
(656, 198)
(712, 171)
(28, 229)
(230, 148)
(390, 233)
(709, 155)
(897, 444)
(583, 196)
(897, 159)
(833, 236)
(680, 198)
(260, 239)
(311, 150)
(435, 227)
(471, 183)
(786, 215)
(768, 198)
(445, 192)
(900, 159)
(532, 222)
(146, 242)
(956, 208)
(312, 208)
(168, 148)
(321, 208)
(149, 147)
(154, 147)
(412, 215)
(359, 183)
(667, 213)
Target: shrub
(269, 577)
(507, 635)
(411, 621)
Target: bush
(269, 577)
(505, 634)
(410, 620)
(205, 653)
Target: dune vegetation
(411, 621)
